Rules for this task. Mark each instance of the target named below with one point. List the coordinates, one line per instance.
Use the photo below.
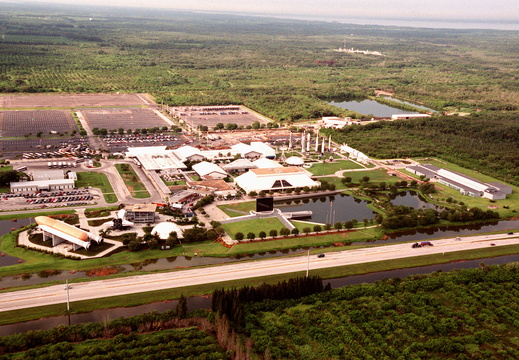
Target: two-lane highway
(176, 279)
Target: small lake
(6, 226)
(330, 209)
(411, 199)
(368, 106)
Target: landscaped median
(132, 181)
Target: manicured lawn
(173, 183)
(240, 208)
(334, 180)
(34, 214)
(99, 212)
(132, 181)
(377, 175)
(94, 249)
(346, 237)
(331, 168)
(254, 226)
(97, 180)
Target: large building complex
(464, 184)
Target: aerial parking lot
(22, 123)
(123, 118)
(72, 100)
(37, 200)
(211, 115)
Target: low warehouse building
(41, 185)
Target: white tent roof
(263, 148)
(163, 229)
(205, 168)
(294, 160)
(185, 152)
(239, 164)
(265, 163)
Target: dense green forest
(282, 68)
(465, 314)
(486, 142)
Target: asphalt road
(142, 283)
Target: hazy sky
(470, 10)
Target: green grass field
(132, 181)
(331, 168)
(241, 208)
(97, 180)
(254, 226)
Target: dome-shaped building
(165, 228)
(295, 161)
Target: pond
(411, 199)
(6, 226)
(372, 107)
(330, 209)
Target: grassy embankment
(97, 180)
(163, 295)
(377, 175)
(132, 181)
(328, 168)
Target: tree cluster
(231, 302)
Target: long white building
(463, 183)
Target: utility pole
(308, 264)
(67, 287)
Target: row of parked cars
(59, 199)
(55, 193)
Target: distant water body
(415, 23)
(435, 24)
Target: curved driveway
(142, 283)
